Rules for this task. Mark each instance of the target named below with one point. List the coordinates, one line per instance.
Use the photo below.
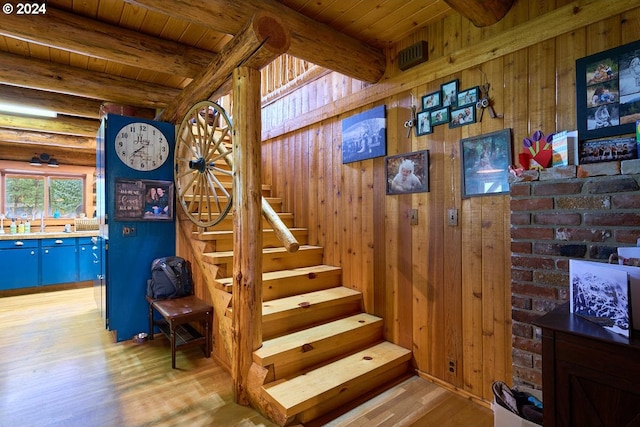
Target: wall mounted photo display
(408, 173)
(423, 123)
(485, 164)
(468, 96)
(607, 150)
(364, 135)
(431, 100)
(463, 116)
(143, 200)
(449, 92)
(608, 92)
(439, 116)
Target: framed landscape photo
(449, 93)
(431, 100)
(439, 116)
(468, 96)
(364, 135)
(608, 92)
(463, 116)
(408, 173)
(485, 164)
(423, 123)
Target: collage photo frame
(449, 105)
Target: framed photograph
(485, 164)
(408, 173)
(468, 96)
(439, 116)
(608, 92)
(143, 200)
(449, 93)
(431, 100)
(364, 135)
(423, 123)
(463, 116)
(607, 150)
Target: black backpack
(170, 278)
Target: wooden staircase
(320, 351)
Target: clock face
(141, 146)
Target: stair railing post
(247, 226)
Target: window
(32, 196)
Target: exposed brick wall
(584, 212)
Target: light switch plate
(452, 217)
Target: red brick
(612, 185)
(543, 306)
(536, 291)
(518, 275)
(585, 202)
(520, 218)
(532, 233)
(551, 277)
(520, 189)
(530, 345)
(627, 236)
(521, 247)
(602, 252)
(527, 376)
(520, 302)
(625, 201)
(537, 204)
(583, 234)
(523, 330)
(598, 169)
(610, 218)
(557, 219)
(560, 249)
(562, 172)
(557, 188)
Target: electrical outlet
(128, 232)
(452, 367)
(414, 217)
(452, 217)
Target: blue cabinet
(18, 263)
(88, 259)
(58, 260)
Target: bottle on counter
(13, 228)
(20, 227)
(27, 227)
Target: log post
(262, 40)
(247, 227)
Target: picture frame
(143, 200)
(607, 150)
(423, 123)
(364, 135)
(431, 100)
(484, 164)
(408, 173)
(439, 116)
(608, 92)
(449, 93)
(463, 116)
(468, 96)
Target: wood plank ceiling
(83, 53)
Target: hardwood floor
(59, 367)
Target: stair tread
(294, 341)
(226, 255)
(228, 234)
(281, 306)
(302, 392)
(279, 274)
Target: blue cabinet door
(19, 264)
(59, 262)
(88, 261)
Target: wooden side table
(177, 314)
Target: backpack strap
(175, 279)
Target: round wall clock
(141, 146)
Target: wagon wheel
(203, 164)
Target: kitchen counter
(48, 235)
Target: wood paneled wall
(443, 291)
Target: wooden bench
(177, 314)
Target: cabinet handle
(58, 242)
(33, 252)
(19, 243)
(83, 248)
(46, 251)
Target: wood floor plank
(60, 367)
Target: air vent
(413, 55)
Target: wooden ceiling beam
(63, 104)
(262, 40)
(64, 155)
(16, 70)
(64, 125)
(73, 33)
(481, 13)
(310, 40)
(47, 139)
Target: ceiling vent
(413, 55)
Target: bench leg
(150, 321)
(173, 344)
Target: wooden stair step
(331, 386)
(291, 314)
(227, 222)
(285, 283)
(292, 353)
(224, 238)
(275, 202)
